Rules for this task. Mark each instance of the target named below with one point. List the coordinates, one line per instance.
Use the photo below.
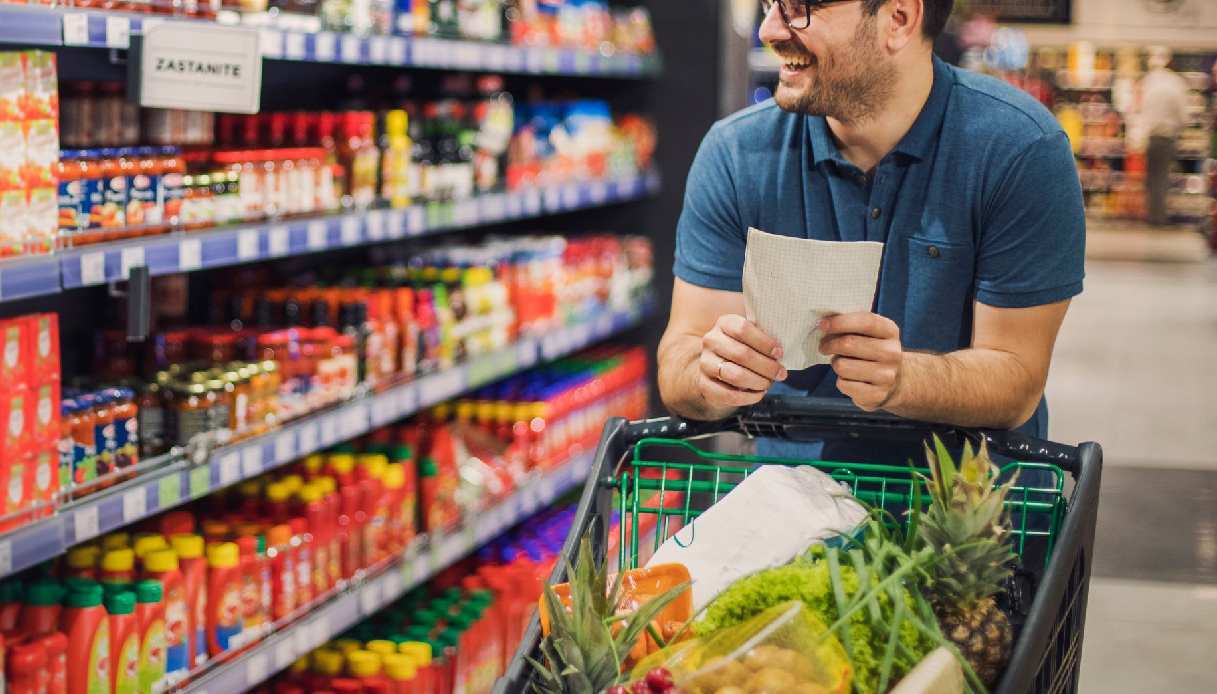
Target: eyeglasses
(795, 13)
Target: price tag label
(6, 557)
(317, 235)
(416, 220)
(350, 48)
(93, 268)
(169, 490)
(553, 198)
(494, 57)
(329, 430)
(598, 192)
(285, 652)
(350, 231)
(76, 30)
(84, 524)
(534, 59)
(397, 51)
(369, 598)
(422, 52)
(321, 629)
(131, 258)
(247, 245)
(376, 225)
(407, 573)
(251, 461)
(271, 43)
(378, 50)
(255, 669)
(582, 335)
(118, 32)
(308, 438)
(302, 639)
(285, 447)
(441, 386)
(230, 468)
(405, 400)
(200, 481)
(293, 47)
(391, 586)
(279, 240)
(396, 224)
(465, 213)
(324, 44)
(190, 255)
(532, 201)
(467, 55)
(583, 62)
(570, 196)
(135, 505)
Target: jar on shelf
(192, 405)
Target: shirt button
(874, 213)
(933, 251)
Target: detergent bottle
(193, 566)
(88, 630)
(150, 612)
(163, 566)
(124, 642)
(224, 612)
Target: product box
(43, 484)
(15, 357)
(42, 333)
(42, 410)
(14, 485)
(15, 471)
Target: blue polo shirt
(980, 201)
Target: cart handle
(813, 419)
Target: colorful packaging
(189, 549)
(163, 567)
(224, 612)
(150, 611)
(124, 643)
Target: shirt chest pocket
(938, 305)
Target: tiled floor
(1136, 370)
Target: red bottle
(56, 647)
(124, 642)
(42, 608)
(163, 566)
(302, 542)
(313, 507)
(351, 520)
(252, 616)
(280, 555)
(88, 630)
(25, 667)
(193, 566)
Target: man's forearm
(972, 387)
(678, 374)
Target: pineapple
(588, 643)
(967, 527)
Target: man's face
(835, 67)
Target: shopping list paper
(791, 283)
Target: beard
(851, 84)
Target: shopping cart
(655, 469)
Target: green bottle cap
(79, 583)
(10, 591)
(149, 591)
(417, 632)
(428, 468)
(343, 448)
(44, 593)
(398, 638)
(453, 593)
(84, 597)
(120, 602)
(402, 452)
(426, 616)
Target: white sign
(191, 65)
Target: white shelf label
(350, 48)
(308, 438)
(251, 461)
(230, 468)
(285, 652)
(329, 430)
(6, 557)
(279, 240)
(391, 586)
(85, 524)
(350, 231)
(93, 268)
(285, 447)
(270, 42)
(190, 255)
(570, 196)
(396, 224)
(378, 50)
(598, 192)
(255, 669)
(118, 32)
(369, 598)
(553, 198)
(397, 50)
(532, 201)
(441, 386)
(416, 220)
(320, 629)
(405, 400)
(495, 57)
(135, 505)
(324, 45)
(317, 235)
(76, 30)
(465, 213)
(131, 258)
(293, 46)
(302, 639)
(247, 244)
(376, 225)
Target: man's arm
(997, 382)
(711, 359)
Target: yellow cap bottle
(341, 463)
(187, 546)
(327, 661)
(419, 652)
(148, 544)
(118, 561)
(313, 464)
(116, 540)
(278, 493)
(345, 646)
(363, 663)
(223, 555)
(399, 667)
(381, 647)
(161, 561)
(83, 558)
(394, 477)
(292, 483)
(374, 464)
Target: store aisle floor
(1136, 370)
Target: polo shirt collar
(917, 143)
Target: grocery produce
(967, 526)
(583, 652)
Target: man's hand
(866, 355)
(738, 363)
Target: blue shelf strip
(204, 250)
(177, 482)
(34, 25)
(367, 595)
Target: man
(1163, 115)
(970, 183)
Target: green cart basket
(639, 465)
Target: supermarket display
(29, 143)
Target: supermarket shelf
(177, 482)
(33, 25)
(376, 592)
(185, 252)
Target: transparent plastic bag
(786, 649)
